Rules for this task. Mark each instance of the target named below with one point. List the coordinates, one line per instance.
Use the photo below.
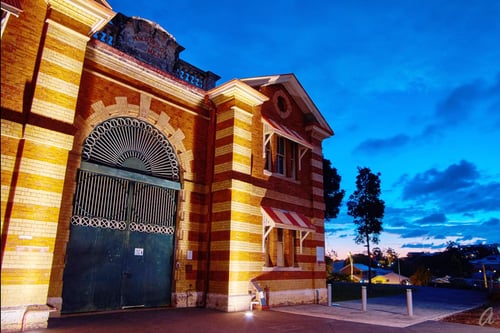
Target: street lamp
(352, 268)
(399, 271)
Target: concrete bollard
(409, 302)
(329, 295)
(363, 298)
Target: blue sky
(411, 89)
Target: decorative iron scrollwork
(118, 140)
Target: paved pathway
(428, 304)
(383, 315)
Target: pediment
(295, 90)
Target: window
(293, 160)
(283, 149)
(280, 251)
(268, 163)
(282, 104)
(281, 156)
(284, 159)
(280, 248)
(283, 234)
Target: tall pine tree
(367, 209)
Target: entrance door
(147, 271)
(149, 260)
(120, 251)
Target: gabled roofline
(295, 89)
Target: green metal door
(93, 270)
(149, 257)
(121, 245)
(145, 271)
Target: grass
(344, 291)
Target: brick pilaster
(236, 232)
(36, 143)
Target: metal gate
(121, 242)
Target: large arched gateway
(121, 246)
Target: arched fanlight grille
(130, 143)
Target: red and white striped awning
(271, 126)
(284, 219)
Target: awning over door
(284, 219)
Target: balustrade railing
(195, 76)
(183, 70)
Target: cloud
(477, 98)
(423, 246)
(465, 238)
(459, 103)
(450, 202)
(433, 218)
(432, 181)
(493, 222)
(475, 198)
(378, 145)
(437, 229)
(469, 103)
(415, 233)
(430, 225)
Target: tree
(422, 277)
(391, 255)
(332, 193)
(377, 253)
(452, 246)
(332, 254)
(367, 209)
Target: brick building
(131, 179)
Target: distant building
(360, 272)
(129, 179)
(390, 278)
(419, 254)
(337, 266)
(489, 263)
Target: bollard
(363, 298)
(409, 302)
(329, 295)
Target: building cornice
(117, 61)
(318, 132)
(92, 14)
(235, 89)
